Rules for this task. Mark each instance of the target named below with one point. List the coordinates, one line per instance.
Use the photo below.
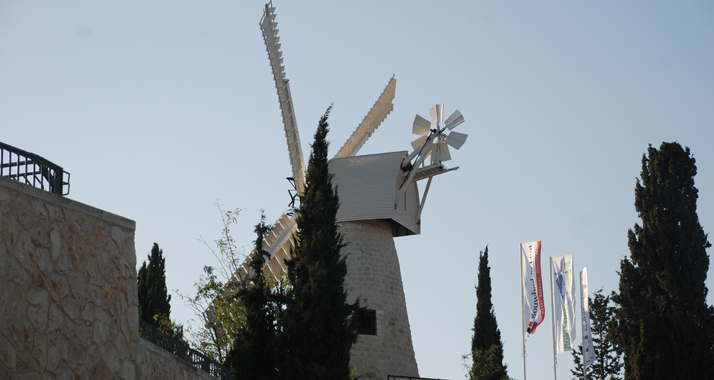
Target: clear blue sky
(159, 108)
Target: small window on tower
(368, 323)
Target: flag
(531, 288)
(563, 301)
(588, 349)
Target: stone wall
(68, 297)
(375, 277)
(155, 363)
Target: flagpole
(523, 312)
(552, 318)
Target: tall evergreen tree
(486, 346)
(153, 296)
(608, 362)
(252, 356)
(318, 326)
(664, 326)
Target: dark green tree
(663, 324)
(608, 362)
(486, 345)
(252, 356)
(318, 326)
(578, 360)
(154, 301)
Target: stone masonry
(374, 276)
(68, 296)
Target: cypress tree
(486, 346)
(153, 296)
(663, 324)
(252, 356)
(318, 326)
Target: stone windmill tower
(379, 201)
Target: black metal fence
(32, 170)
(183, 351)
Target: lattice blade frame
(271, 39)
(376, 115)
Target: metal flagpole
(523, 312)
(552, 318)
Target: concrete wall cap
(68, 203)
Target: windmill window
(368, 323)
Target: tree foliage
(253, 353)
(318, 327)
(487, 364)
(154, 300)
(300, 327)
(219, 315)
(153, 296)
(608, 362)
(663, 324)
(486, 345)
(578, 361)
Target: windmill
(379, 201)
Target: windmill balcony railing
(32, 170)
(183, 351)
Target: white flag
(531, 288)
(563, 285)
(588, 349)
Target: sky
(161, 109)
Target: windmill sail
(382, 107)
(272, 44)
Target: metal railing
(183, 351)
(32, 170)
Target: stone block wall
(155, 363)
(68, 293)
(374, 276)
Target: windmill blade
(437, 113)
(441, 152)
(456, 139)
(381, 108)
(418, 142)
(279, 244)
(454, 120)
(421, 126)
(268, 16)
(270, 36)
